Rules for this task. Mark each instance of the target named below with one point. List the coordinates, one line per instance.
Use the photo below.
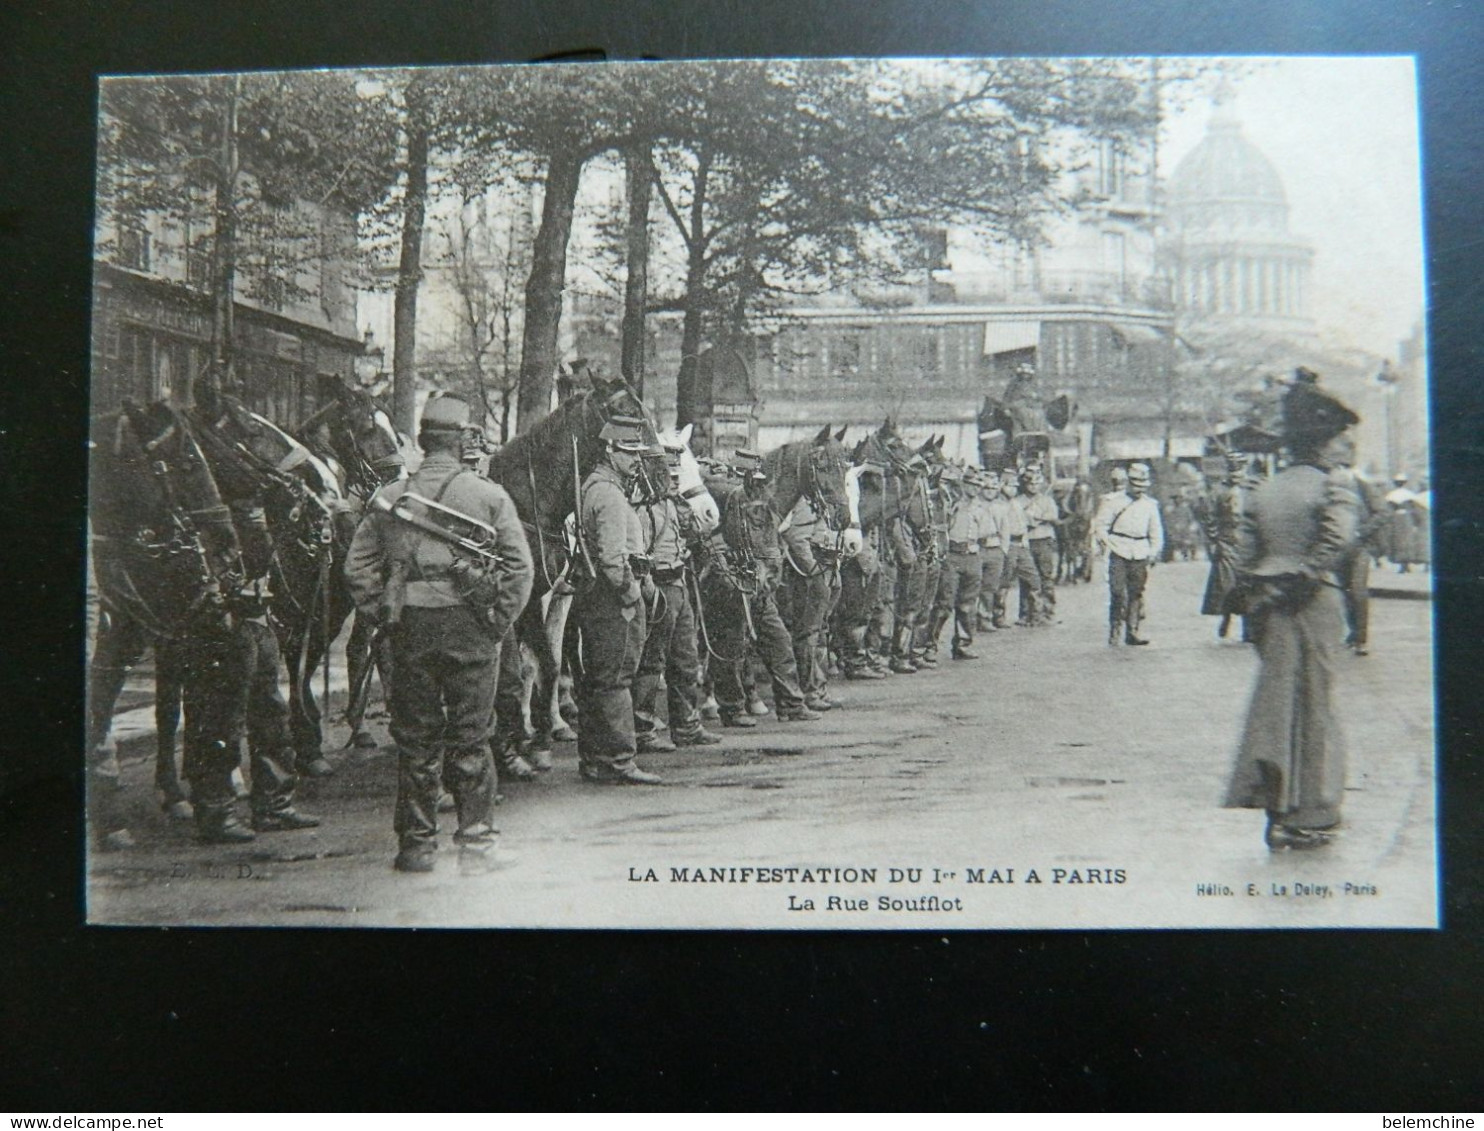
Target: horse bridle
(185, 537)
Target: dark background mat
(137, 1020)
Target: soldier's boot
(1115, 631)
(1000, 616)
(901, 656)
(857, 658)
(217, 822)
(509, 754)
(936, 623)
(1131, 634)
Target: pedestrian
(1354, 572)
(667, 685)
(444, 610)
(1223, 517)
(1131, 531)
(1402, 529)
(1298, 529)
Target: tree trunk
(692, 402)
(544, 288)
(221, 374)
(409, 274)
(636, 285)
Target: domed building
(1233, 256)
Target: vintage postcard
(924, 494)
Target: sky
(1343, 135)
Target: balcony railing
(1062, 285)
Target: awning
(1007, 337)
(1136, 333)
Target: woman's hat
(1311, 416)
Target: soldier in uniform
(1010, 516)
(1042, 516)
(445, 638)
(1131, 529)
(991, 549)
(958, 587)
(811, 582)
(743, 602)
(609, 610)
(247, 700)
(668, 681)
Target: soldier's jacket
(966, 521)
(663, 532)
(1041, 513)
(429, 583)
(611, 531)
(805, 534)
(1009, 517)
(991, 533)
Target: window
(1111, 169)
(133, 247)
(845, 356)
(1115, 258)
(270, 291)
(198, 267)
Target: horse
(309, 522)
(355, 437)
(1074, 536)
(166, 558)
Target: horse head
(362, 437)
(167, 544)
(815, 468)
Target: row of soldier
(672, 620)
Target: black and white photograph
(788, 494)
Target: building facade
(294, 314)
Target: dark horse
(308, 522)
(353, 434)
(166, 558)
(543, 470)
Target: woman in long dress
(1296, 529)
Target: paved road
(1096, 771)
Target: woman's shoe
(1283, 837)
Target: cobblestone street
(1096, 771)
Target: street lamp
(1388, 381)
(370, 364)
